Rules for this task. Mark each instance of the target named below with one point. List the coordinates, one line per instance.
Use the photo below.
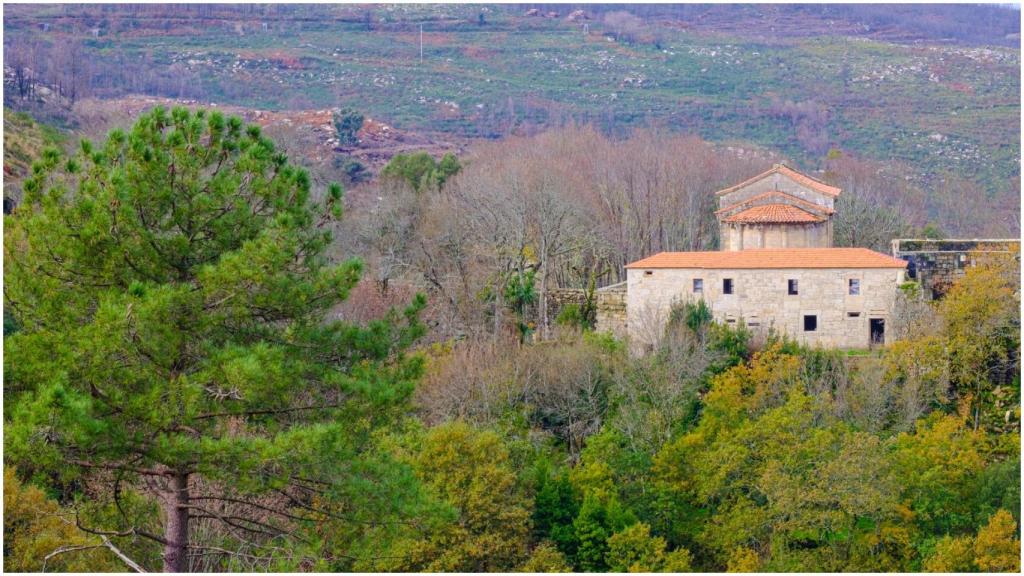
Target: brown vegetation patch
(429, 38)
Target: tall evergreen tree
(173, 291)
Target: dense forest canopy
(197, 378)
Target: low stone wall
(610, 302)
(937, 264)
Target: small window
(854, 286)
(648, 272)
(810, 323)
(853, 314)
(727, 286)
(698, 285)
(793, 289)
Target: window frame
(698, 285)
(853, 287)
(728, 286)
(793, 286)
(814, 321)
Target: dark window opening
(698, 285)
(793, 288)
(810, 323)
(854, 286)
(648, 272)
(727, 286)
(853, 314)
(877, 328)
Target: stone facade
(937, 264)
(761, 300)
(746, 236)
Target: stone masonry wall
(610, 302)
(736, 236)
(760, 298)
(937, 264)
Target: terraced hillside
(800, 81)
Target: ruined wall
(610, 302)
(762, 300)
(937, 264)
(611, 310)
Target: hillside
(894, 88)
(24, 139)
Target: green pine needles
(175, 345)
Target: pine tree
(172, 290)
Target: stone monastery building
(777, 268)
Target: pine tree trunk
(176, 529)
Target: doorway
(877, 327)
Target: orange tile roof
(789, 172)
(780, 195)
(774, 214)
(764, 258)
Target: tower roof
(774, 214)
(777, 196)
(788, 172)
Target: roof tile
(777, 194)
(765, 258)
(789, 172)
(774, 214)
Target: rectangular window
(698, 285)
(648, 272)
(793, 291)
(810, 323)
(727, 286)
(854, 286)
(853, 314)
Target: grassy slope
(935, 108)
(24, 139)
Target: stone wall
(610, 302)
(937, 264)
(737, 236)
(611, 310)
(761, 300)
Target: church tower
(780, 208)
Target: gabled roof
(765, 258)
(774, 214)
(777, 195)
(789, 173)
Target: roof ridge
(790, 172)
(778, 192)
(800, 175)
